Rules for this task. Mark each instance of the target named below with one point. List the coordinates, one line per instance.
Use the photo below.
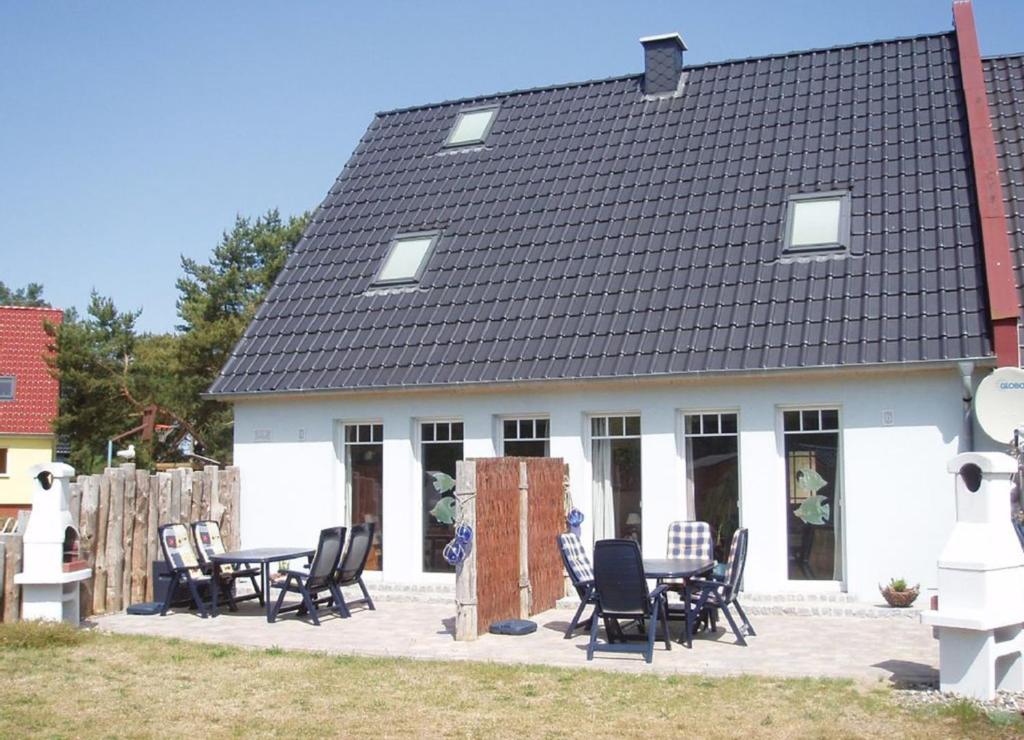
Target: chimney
(663, 63)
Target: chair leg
(229, 594)
(593, 636)
(652, 629)
(280, 600)
(258, 590)
(735, 628)
(172, 583)
(366, 595)
(743, 616)
(339, 601)
(575, 623)
(307, 599)
(197, 598)
(664, 622)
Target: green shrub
(899, 585)
(39, 635)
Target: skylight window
(406, 259)
(818, 222)
(471, 127)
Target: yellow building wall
(22, 454)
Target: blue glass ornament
(454, 553)
(575, 517)
(464, 533)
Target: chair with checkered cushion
(720, 595)
(209, 543)
(690, 540)
(581, 574)
(184, 568)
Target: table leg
(688, 634)
(265, 577)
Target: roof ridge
(30, 308)
(638, 75)
(1010, 55)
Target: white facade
(898, 428)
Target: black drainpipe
(967, 425)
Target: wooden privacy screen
(516, 507)
(117, 514)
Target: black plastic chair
(720, 595)
(581, 575)
(621, 592)
(350, 569)
(184, 569)
(310, 583)
(208, 543)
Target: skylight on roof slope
(471, 127)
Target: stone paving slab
(867, 650)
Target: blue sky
(132, 133)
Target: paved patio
(867, 650)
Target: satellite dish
(999, 403)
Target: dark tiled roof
(1004, 78)
(603, 234)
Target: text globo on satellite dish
(999, 403)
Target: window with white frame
(364, 483)
(6, 387)
(440, 450)
(615, 458)
(817, 222)
(527, 437)
(814, 494)
(712, 474)
(406, 259)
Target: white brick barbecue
(52, 568)
(981, 583)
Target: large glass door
(712, 475)
(440, 449)
(814, 496)
(364, 483)
(615, 456)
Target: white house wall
(899, 499)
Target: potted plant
(898, 594)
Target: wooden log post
(115, 541)
(12, 565)
(465, 572)
(140, 538)
(99, 575)
(236, 508)
(525, 595)
(3, 551)
(87, 538)
(152, 522)
(185, 515)
(127, 533)
(75, 501)
(215, 509)
(198, 493)
(174, 503)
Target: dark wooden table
(683, 568)
(263, 556)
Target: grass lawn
(59, 682)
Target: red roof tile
(23, 347)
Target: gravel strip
(928, 694)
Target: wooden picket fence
(118, 513)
